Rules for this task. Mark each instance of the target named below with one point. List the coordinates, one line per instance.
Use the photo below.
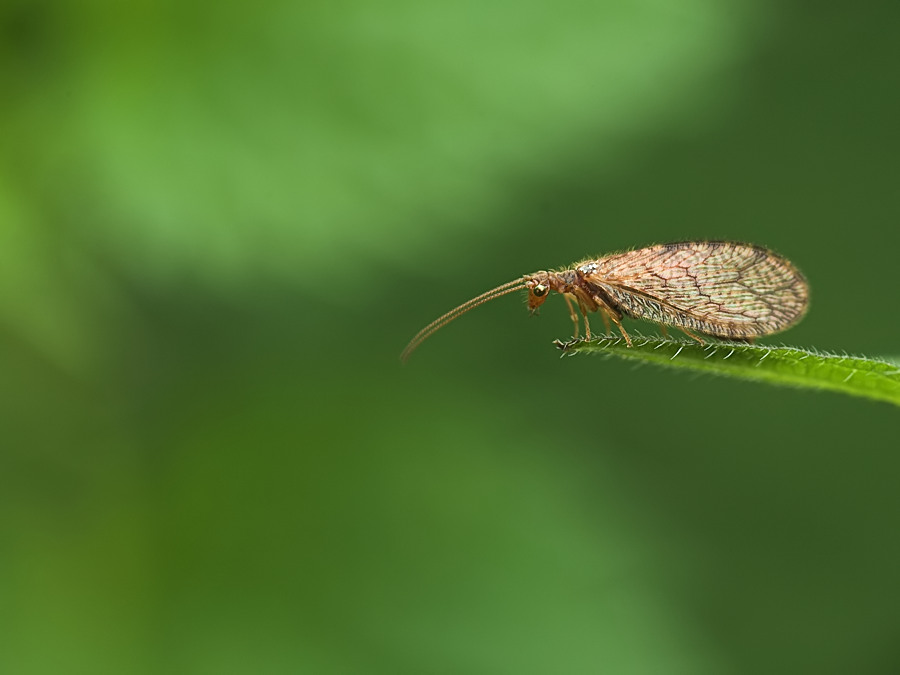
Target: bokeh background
(221, 222)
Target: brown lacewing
(719, 288)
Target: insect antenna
(438, 323)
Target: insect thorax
(563, 281)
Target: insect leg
(621, 328)
(664, 330)
(690, 334)
(587, 328)
(605, 318)
(572, 314)
(584, 313)
(608, 312)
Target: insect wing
(719, 288)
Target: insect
(718, 288)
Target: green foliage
(791, 366)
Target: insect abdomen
(641, 307)
(742, 325)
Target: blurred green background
(219, 225)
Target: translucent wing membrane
(723, 289)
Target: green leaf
(791, 366)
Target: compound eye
(540, 290)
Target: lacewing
(718, 288)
